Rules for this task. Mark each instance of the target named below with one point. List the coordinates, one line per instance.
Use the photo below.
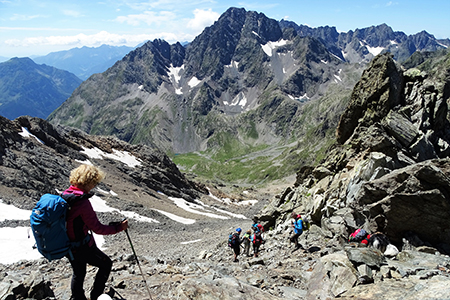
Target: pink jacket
(81, 217)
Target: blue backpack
(232, 240)
(48, 223)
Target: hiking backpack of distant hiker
(306, 224)
(257, 238)
(232, 238)
(358, 235)
(257, 227)
(48, 223)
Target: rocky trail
(194, 262)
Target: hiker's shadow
(313, 249)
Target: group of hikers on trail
(254, 239)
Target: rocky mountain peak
(376, 93)
(188, 99)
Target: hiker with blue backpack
(297, 224)
(81, 222)
(234, 241)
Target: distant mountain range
(85, 61)
(247, 87)
(246, 84)
(364, 44)
(27, 88)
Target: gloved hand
(121, 225)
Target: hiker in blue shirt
(298, 229)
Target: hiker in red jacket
(81, 219)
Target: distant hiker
(257, 240)
(81, 219)
(297, 224)
(246, 239)
(257, 226)
(235, 243)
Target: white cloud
(17, 17)
(390, 3)
(202, 19)
(147, 17)
(97, 39)
(71, 13)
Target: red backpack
(257, 238)
(358, 235)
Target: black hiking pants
(94, 257)
(294, 239)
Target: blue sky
(38, 27)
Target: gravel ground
(170, 240)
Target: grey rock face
(388, 173)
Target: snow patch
(174, 74)
(301, 98)
(239, 100)
(337, 77)
(99, 205)
(247, 203)
(26, 134)
(175, 77)
(195, 208)
(222, 211)
(194, 82)
(10, 212)
(141, 87)
(272, 45)
(229, 201)
(191, 242)
(175, 217)
(122, 156)
(233, 64)
(375, 50)
(254, 32)
(16, 245)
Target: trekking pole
(137, 261)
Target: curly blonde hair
(86, 175)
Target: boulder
(333, 275)
(407, 198)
